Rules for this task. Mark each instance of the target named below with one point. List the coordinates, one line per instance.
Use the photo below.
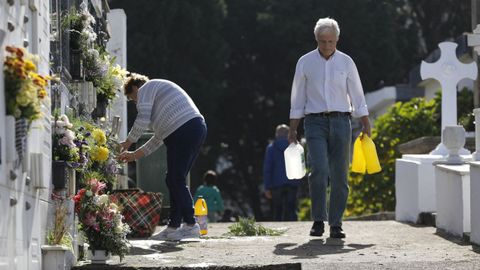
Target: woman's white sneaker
(185, 232)
(163, 235)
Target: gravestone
(448, 71)
(415, 174)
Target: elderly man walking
(327, 91)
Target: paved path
(369, 245)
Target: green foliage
(466, 118)
(248, 227)
(403, 122)
(304, 206)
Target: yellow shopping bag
(365, 156)
(358, 159)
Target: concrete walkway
(369, 245)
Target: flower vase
(76, 66)
(54, 257)
(61, 174)
(98, 256)
(101, 108)
(11, 151)
(21, 132)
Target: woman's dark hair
(210, 177)
(134, 79)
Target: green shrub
(402, 123)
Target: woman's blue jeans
(183, 146)
(328, 146)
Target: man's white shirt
(321, 85)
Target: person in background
(210, 192)
(176, 121)
(327, 91)
(278, 188)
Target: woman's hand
(127, 156)
(125, 145)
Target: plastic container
(358, 159)
(295, 161)
(201, 212)
(371, 157)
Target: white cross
(448, 71)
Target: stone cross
(448, 71)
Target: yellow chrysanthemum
(30, 66)
(99, 153)
(99, 136)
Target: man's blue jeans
(183, 146)
(328, 147)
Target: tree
(236, 58)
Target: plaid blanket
(141, 210)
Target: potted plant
(59, 240)
(101, 222)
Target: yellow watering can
(365, 156)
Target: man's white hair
(325, 25)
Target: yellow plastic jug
(201, 212)
(358, 159)
(370, 152)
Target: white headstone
(448, 71)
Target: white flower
(119, 229)
(66, 141)
(103, 199)
(118, 218)
(113, 208)
(66, 121)
(69, 134)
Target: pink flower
(97, 186)
(90, 219)
(66, 141)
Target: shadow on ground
(165, 247)
(462, 241)
(317, 247)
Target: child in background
(211, 194)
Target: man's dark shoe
(336, 232)
(318, 228)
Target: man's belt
(331, 114)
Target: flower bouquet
(67, 154)
(100, 220)
(25, 89)
(102, 159)
(97, 153)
